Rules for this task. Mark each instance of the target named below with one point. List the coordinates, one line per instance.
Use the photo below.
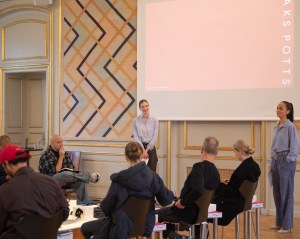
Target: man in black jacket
(204, 175)
(26, 193)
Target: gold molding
(95, 145)
(1, 101)
(23, 7)
(221, 148)
(60, 64)
(45, 23)
(219, 157)
(168, 155)
(263, 166)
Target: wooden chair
(137, 210)
(247, 189)
(34, 226)
(202, 203)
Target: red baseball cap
(12, 152)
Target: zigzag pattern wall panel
(98, 96)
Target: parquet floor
(265, 232)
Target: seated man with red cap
(26, 193)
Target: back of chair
(203, 203)
(137, 210)
(75, 157)
(34, 226)
(247, 189)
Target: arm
(197, 185)
(47, 164)
(164, 196)
(155, 133)
(109, 202)
(293, 144)
(135, 132)
(60, 160)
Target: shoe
(95, 178)
(282, 231)
(275, 227)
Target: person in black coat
(204, 175)
(228, 197)
(138, 180)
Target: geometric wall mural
(98, 90)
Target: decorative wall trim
(221, 148)
(44, 23)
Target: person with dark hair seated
(26, 192)
(227, 197)
(138, 180)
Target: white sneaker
(95, 178)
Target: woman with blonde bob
(227, 196)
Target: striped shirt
(145, 130)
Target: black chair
(33, 226)
(137, 210)
(247, 189)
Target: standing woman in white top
(145, 130)
(284, 151)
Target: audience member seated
(138, 180)
(227, 197)
(26, 192)
(57, 164)
(204, 175)
(4, 142)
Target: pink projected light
(232, 44)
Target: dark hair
(133, 151)
(19, 160)
(289, 106)
(142, 101)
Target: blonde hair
(243, 146)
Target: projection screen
(218, 60)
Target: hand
(61, 152)
(145, 154)
(270, 168)
(179, 205)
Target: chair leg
(237, 227)
(192, 231)
(203, 230)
